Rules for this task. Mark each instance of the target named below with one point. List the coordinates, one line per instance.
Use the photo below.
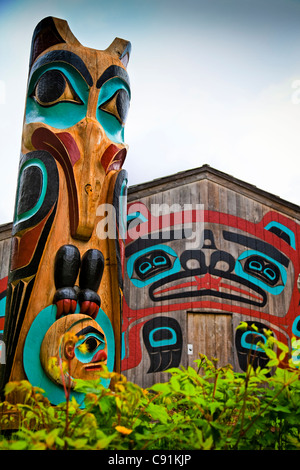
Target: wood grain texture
(246, 270)
(66, 133)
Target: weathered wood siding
(5, 239)
(179, 302)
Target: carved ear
(69, 350)
(48, 32)
(120, 48)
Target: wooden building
(5, 241)
(185, 297)
(204, 252)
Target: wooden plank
(210, 334)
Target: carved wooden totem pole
(65, 275)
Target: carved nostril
(88, 188)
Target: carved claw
(89, 308)
(65, 299)
(89, 302)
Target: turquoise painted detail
(159, 261)
(86, 357)
(28, 214)
(296, 326)
(247, 345)
(284, 229)
(31, 354)
(123, 346)
(31, 358)
(112, 127)
(275, 290)
(139, 283)
(62, 114)
(105, 323)
(164, 342)
(136, 215)
(146, 267)
(2, 309)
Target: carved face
(239, 267)
(80, 342)
(77, 103)
(234, 268)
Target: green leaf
(11, 386)
(19, 445)
(160, 387)
(158, 412)
(104, 442)
(282, 346)
(39, 446)
(51, 437)
(273, 362)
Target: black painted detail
(53, 87)
(247, 347)
(122, 103)
(281, 234)
(45, 35)
(29, 191)
(88, 295)
(258, 245)
(65, 293)
(91, 272)
(67, 264)
(163, 340)
(112, 72)
(64, 57)
(16, 306)
(219, 264)
(152, 263)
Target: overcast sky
(213, 81)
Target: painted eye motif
(263, 269)
(152, 263)
(86, 348)
(52, 88)
(117, 106)
(92, 343)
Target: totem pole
(65, 274)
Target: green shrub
(210, 409)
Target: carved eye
(152, 263)
(52, 88)
(118, 105)
(92, 343)
(87, 347)
(263, 269)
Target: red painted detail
(113, 158)
(44, 139)
(3, 284)
(89, 308)
(70, 145)
(134, 319)
(22, 249)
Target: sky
(213, 82)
